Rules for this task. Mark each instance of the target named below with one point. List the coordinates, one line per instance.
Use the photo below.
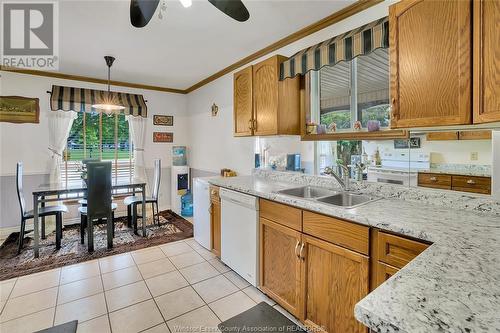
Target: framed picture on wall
(18, 109)
(163, 137)
(162, 120)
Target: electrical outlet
(473, 156)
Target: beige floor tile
(146, 255)
(199, 272)
(186, 259)
(82, 309)
(79, 289)
(96, 325)
(173, 249)
(114, 263)
(30, 323)
(121, 277)
(157, 267)
(232, 305)
(193, 244)
(27, 304)
(162, 328)
(196, 321)
(237, 280)
(80, 271)
(178, 302)
(36, 282)
(127, 295)
(219, 265)
(5, 288)
(215, 288)
(165, 283)
(135, 318)
(207, 255)
(258, 296)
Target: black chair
(132, 201)
(42, 212)
(99, 205)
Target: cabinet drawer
(398, 251)
(214, 193)
(282, 214)
(384, 272)
(346, 234)
(434, 180)
(471, 184)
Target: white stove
(399, 168)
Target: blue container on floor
(187, 204)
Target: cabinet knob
(433, 179)
(471, 182)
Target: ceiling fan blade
(232, 8)
(141, 11)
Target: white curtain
(60, 123)
(137, 129)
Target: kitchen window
(350, 91)
(98, 136)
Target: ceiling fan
(141, 11)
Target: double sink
(335, 198)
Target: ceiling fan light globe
(186, 3)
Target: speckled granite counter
(453, 286)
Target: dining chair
(132, 201)
(99, 203)
(56, 210)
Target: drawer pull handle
(296, 247)
(471, 182)
(300, 252)
(433, 179)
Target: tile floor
(176, 287)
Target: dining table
(74, 190)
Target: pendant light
(109, 103)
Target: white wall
(212, 145)
(29, 142)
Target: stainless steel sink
(347, 200)
(308, 192)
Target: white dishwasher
(240, 233)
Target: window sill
(358, 135)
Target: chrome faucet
(345, 182)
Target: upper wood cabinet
(263, 105)
(430, 62)
(486, 43)
(243, 114)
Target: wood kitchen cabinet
(317, 280)
(430, 52)
(464, 183)
(333, 279)
(390, 253)
(215, 220)
(280, 265)
(263, 105)
(486, 64)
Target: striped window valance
(345, 47)
(81, 100)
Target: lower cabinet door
(280, 264)
(216, 230)
(333, 279)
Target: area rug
(172, 228)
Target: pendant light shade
(107, 102)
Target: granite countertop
(453, 286)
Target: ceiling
(185, 47)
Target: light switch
(473, 156)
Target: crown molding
(338, 16)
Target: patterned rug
(172, 228)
